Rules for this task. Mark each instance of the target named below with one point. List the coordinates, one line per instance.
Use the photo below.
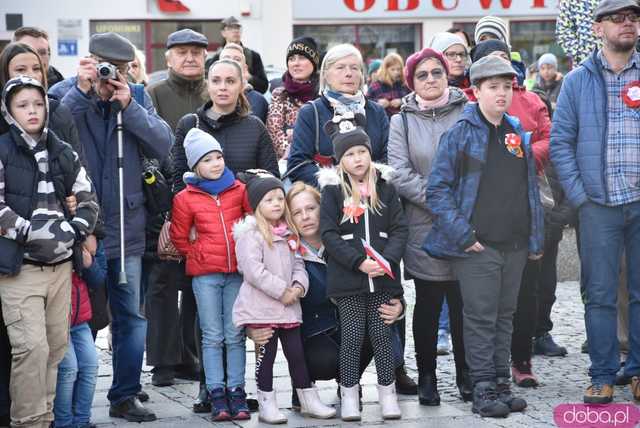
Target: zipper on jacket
(366, 238)
(224, 230)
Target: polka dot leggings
(359, 316)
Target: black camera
(106, 71)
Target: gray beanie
(548, 58)
(443, 41)
(492, 25)
(197, 144)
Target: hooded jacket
(386, 232)
(213, 217)
(412, 156)
(145, 133)
(35, 178)
(303, 148)
(244, 139)
(454, 181)
(267, 271)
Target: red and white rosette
(631, 94)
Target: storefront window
(373, 40)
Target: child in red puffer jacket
(210, 204)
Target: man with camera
(95, 96)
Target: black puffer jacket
(387, 233)
(244, 140)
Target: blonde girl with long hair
(364, 233)
(388, 87)
(274, 281)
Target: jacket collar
(329, 176)
(309, 254)
(187, 85)
(222, 122)
(472, 116)
(456, 98)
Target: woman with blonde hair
(388, 86)
(138, 70)
(342, 79)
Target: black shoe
(404, 384)
(295, 401)
(585, 347)
(621, 379)
(203, 402)
(428, 390)
(545, 345)
(465, 386)
(253, 405)
(5, 420)
(503, 388)
(132, 410)
(162, 376)
(143, 396)
(187, 373)
(486, 403)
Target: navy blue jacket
(144, 131)
(452, 187)
(259, 104)
(304, 137)
(579, 134)
(318, 313)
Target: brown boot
(635, 387)
(599, 394)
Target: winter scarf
(213, 187)
(343, 103)
(433, 104)
(302, 91)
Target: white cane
(119, 130)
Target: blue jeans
(215, 295)
(128, 328)
(77, 376)
(443, 322)
(604, 233)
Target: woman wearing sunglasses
(427, 112)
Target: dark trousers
(164, 342)
(188, 323)
(524, 325)
(322, 353)
(426, 315)
(5, 369)
(547, 284)
(291, 340)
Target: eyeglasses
(618, 18)
(453, 55)
(437, 74)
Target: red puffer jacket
(80, 303)
(213, 250)
(534, 117)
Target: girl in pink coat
(274, 280)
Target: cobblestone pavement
(562, 381)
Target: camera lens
(104, 71)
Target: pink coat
(267, 272)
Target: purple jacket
(267, 272)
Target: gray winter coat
(412, 159)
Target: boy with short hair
(488, 218)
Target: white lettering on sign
(358, 9)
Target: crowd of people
(190, 213)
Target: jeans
(215, 295)
(604, 233)
(128, 328)
(77, 376)
(443, 322)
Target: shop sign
(358, 9)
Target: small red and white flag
(382, 262)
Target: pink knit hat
(416, 58)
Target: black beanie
(258, 184)
(345, 132)
(485, 48)
(307, 47)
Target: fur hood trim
(243, 226)
(329, 176)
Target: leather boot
(428, 390)
(404, 384)
(465, 386)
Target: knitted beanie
(347, 131)
(492, 25)
(197, 144)
(307, 47)
(417, 57)
(548, 58)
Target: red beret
(416, 58)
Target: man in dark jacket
(171, 339)
(95, 103)
(594, 148)
(38, 39)
(232, 33)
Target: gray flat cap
(230, 22)
(111, 46)
(490, 66)
(609, 7)
(186, 36)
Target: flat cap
(230, 22)
(111, 46)
(609, 7)
(490, 66)
(186, 36)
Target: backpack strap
(317, 117)
(405, 125)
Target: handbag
(318, 159)
(166, 249)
